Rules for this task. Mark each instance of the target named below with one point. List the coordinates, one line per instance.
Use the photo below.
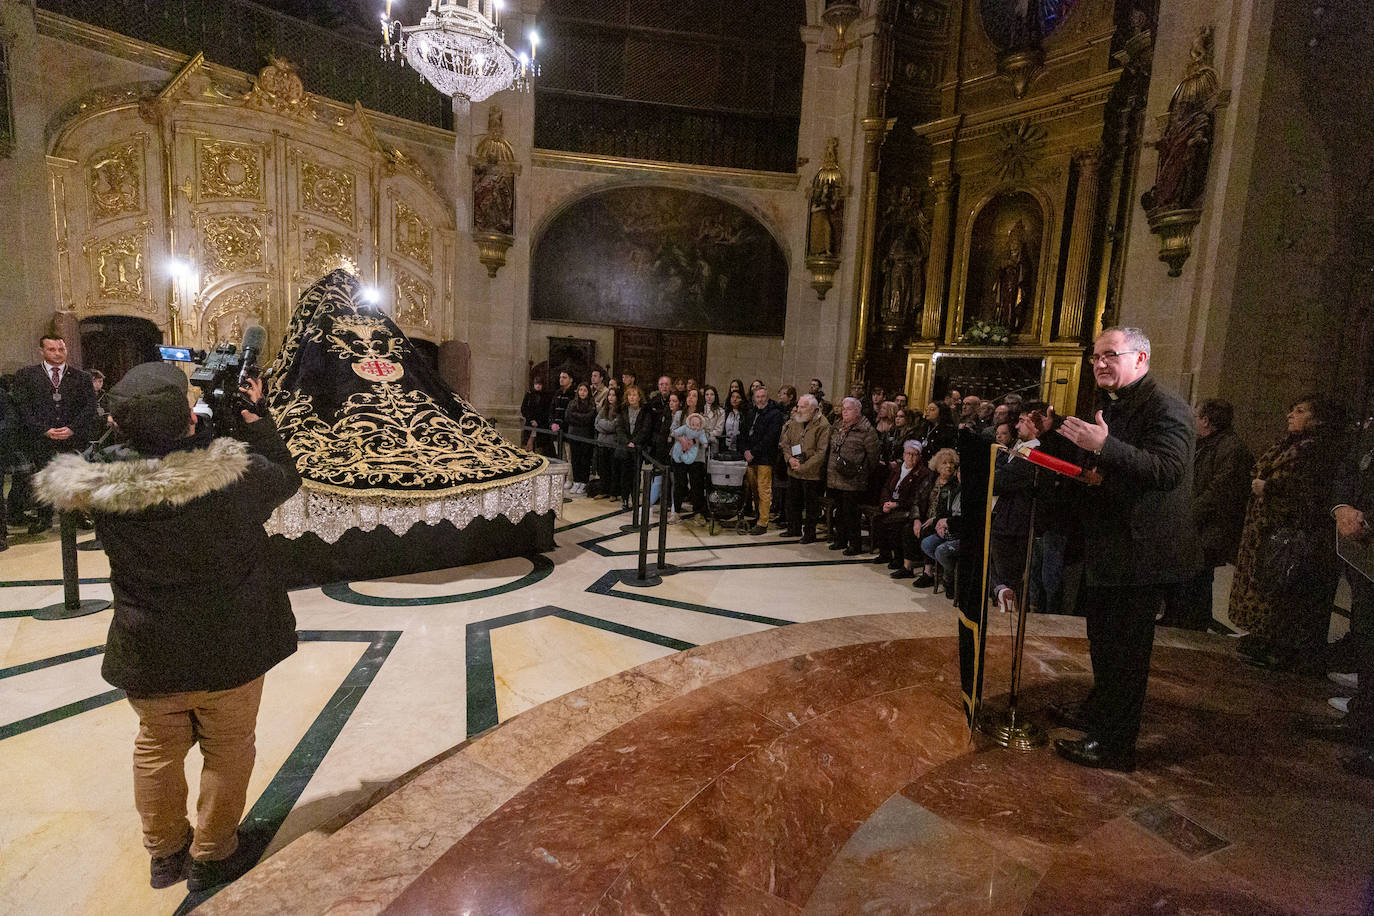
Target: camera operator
(200, 614)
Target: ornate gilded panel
(114, 180)
(231, 312)
(411, 235)
(323, 251)
(328, 191)
(232, 243)
(229, 171)
(413, 300)
(118, 266)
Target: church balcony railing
(243, 35)
(601, 125)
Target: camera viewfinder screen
(176, 354)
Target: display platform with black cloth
(400, 475)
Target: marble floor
(774, 729)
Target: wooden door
(650, 353)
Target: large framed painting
(655, 257)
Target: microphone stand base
(1013, 732)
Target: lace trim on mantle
(329, 514)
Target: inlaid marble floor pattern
(423, 713)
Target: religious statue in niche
(825, 225)
(493, 179)
(1186, 144)
(1011, 289)
(1185, 148)
(1004, 259)
(907, 229)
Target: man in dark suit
(1138, 534)
(1354, 505)
(57, 409)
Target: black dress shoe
(808, 538)
(882, 559)
(39, 527)
(852, 552)
(758, 529)
(1089, 752)
(895, 564)
(837, 545)
(924, 580)
(168, 870)
(1069, 715)
(789, 533)
(1362, 764)
(903, 573)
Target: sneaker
(837, 545)
(851, 552)
(808, 538)
(206, 875)
(168, 870)
(1344, 679)
(1340, 704)
(1006, 600)
(924, 580)
(567, 483)
(903, 573)
(758, 529)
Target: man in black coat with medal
(1139, 538)
(57, 408)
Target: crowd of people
(890, 471)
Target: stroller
(725, 499)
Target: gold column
(876, 126)
(1080, 244)
(875, 132)
(938, 256)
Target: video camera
(220, 373)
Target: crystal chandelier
(460, 49)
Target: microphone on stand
(1058, 381)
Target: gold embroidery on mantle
(386, 439)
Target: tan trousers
(759, 479)
(222, 722)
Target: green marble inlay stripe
(343, 591)
(265, 818)
(481, 671)
(606, 586)
(51, 661)
(596, 545)
(60, 713)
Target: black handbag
(1288, 560)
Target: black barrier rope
(641, 493)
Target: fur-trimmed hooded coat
(198, 604)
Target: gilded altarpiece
(1013, 194)
(207, 207)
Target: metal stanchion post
(72, 605)
(1008, 729)
(635, 498)
(665, 504)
